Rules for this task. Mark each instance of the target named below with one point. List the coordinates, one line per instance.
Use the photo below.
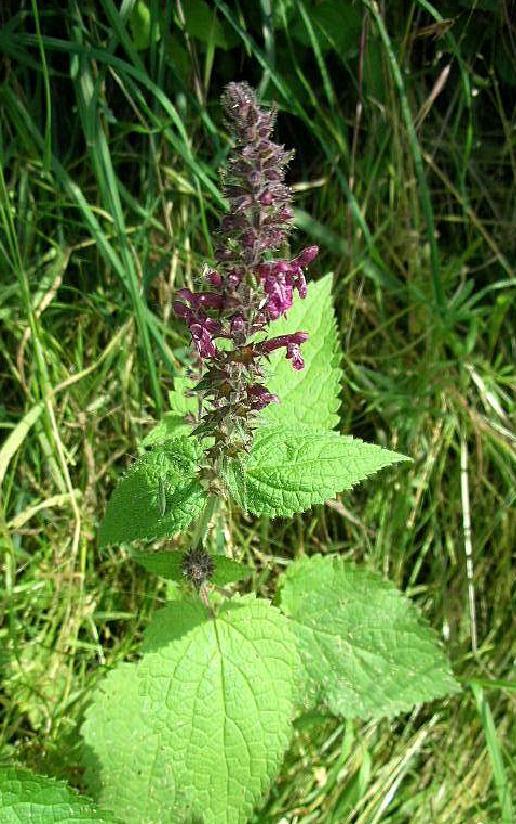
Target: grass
(110, 141)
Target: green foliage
(218, 696)
(127, 763)
(171, 425)
(169, 565)
(289, 469)
(140, 25)
(158, 496)
(319, 380)
(203, 23)
(434, 386)
(365, 649)
(173, 422)
(26, 798)
(181, 399)
(337, 24)
(309, 396)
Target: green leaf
(128, 766)
(309, 396)
(337, 23)
(229, 706)
(140, 25)
(209, 711)
(365, 648)
(169, 565)
(180, 399)
(26, 798)
(202, 22)
(158, 496)
(173, 423)
(290, 469)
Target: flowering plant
(196, 729)
(248, 289)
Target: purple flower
(237, 326)
(280, 296)
(204, 300)
(249, 289)
(234, 278)
(294, 354)
(214, 278)
(202, 335)
(260, 396)
(290, 342)
(281, 277)
(270, 345)
(306, 257)
(202, 328)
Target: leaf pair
(199, 726)
(170, 565)
(287, 471)
(296, 460)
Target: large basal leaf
(290, 469)
(26, 798)
(169, 565)
(228, 708)
(206, 713)
(309, 396)
(366, 650)
(207, 710)
(128, 766)
(158, 496)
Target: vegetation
(111, 138)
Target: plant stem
(202, 526)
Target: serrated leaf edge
(314, 499)
(314, 690)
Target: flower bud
(266, 198)
(260, 397)
(254, 178)
(214, 278)
(294, 354)
(306, 256)
(237, 325)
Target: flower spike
(249, 289)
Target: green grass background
(402, 116)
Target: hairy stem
(204, 521)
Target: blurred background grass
(402, 116)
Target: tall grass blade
(501, 779)
(424, 191)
